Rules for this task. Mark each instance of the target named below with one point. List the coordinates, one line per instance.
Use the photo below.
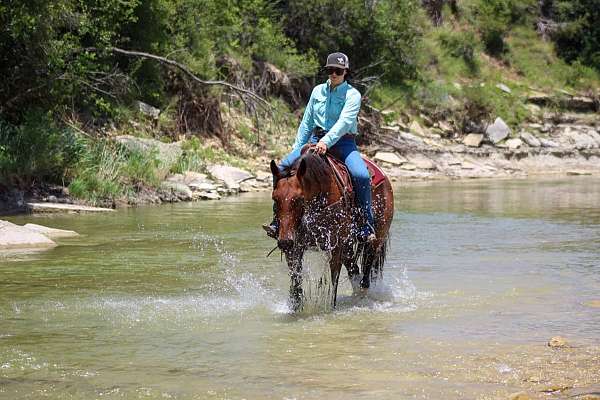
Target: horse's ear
(275, 170)
(301, 169)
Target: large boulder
(497, 131)
(50, 232)
(18, 237)
(231, 176)
(166, 153)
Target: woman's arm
(307, 125)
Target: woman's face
(336, 75)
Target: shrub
(578, 38)
(495, 18)
(461, 45)
(38, 150)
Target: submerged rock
(519, 396)
(558, 342)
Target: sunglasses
(336, 71)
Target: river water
(180, 302)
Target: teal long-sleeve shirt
(335, 111)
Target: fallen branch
(189, 73)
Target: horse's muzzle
(285, 245)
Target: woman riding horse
(330, 122)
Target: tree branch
(189, 73)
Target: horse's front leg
(335, 265)
(294, 261)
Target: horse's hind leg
(367, 262)
(350, 262)
(335, 265)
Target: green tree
(578, 36)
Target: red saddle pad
(377, 175)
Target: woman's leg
(291, 158)
(347, 151)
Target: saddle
(343, 176)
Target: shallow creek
(180, 302)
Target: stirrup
(271, 230)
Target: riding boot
(366, 233)
(272, 229)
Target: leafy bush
(495, 18)
(578, 37)
(462, 45)
(385, 33)
(37, 150)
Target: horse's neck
(331, 191)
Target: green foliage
(535, 60)
(108, 171)
(38, 149)
(462, 45)
(97, 177)
(578, 37)
(495, 18)
(385, 33)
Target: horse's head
(293, 191)
(289, 205)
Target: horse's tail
(372, 259)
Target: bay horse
(315, 206)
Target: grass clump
(37, 150)
(109, 171)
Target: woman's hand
(321, 148)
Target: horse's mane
(318, 171)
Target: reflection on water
(181, 302)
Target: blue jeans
(345, 149)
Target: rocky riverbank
(548, 143)
(408, 148)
